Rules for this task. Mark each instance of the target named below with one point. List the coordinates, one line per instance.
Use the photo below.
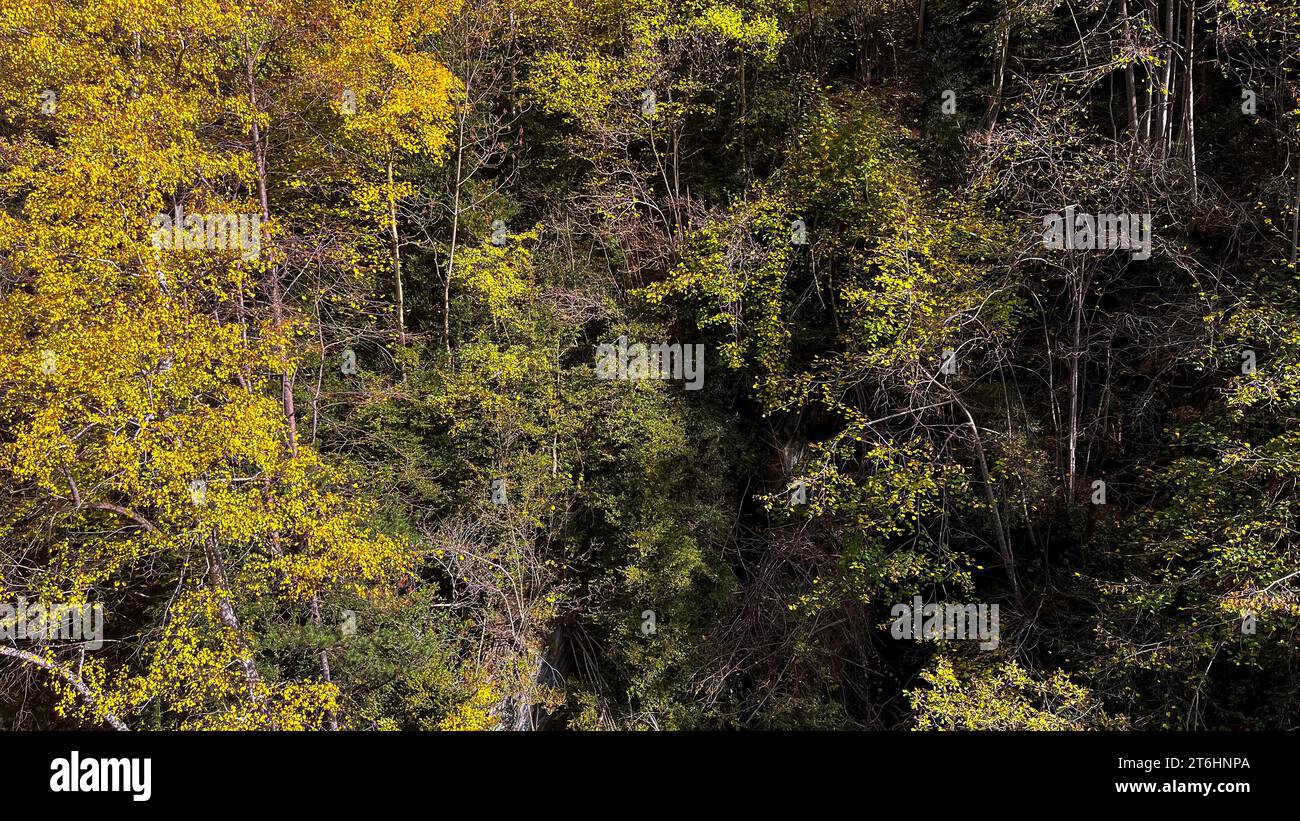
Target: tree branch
(68, 676)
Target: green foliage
(1003, 697)
(904, 393)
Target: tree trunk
(273, 273)
(455, 229)
(1004, 544)
(1191, 95)
(1129, 80)
(396, 251)
(999, 75)
(331, 716)
(1295, 223)
(221, 586)
(1076, 352)
(1163, 124)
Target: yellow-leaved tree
(150, 459)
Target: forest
(635, 365)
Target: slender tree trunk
(455, 229)
(396, 251)
(1166, 82)
(1150, 12)
(286, 387)
(1076, 353)
(1148, 100)
(273, 274)
(221, 586)
(744, 116)
(1191, 95)
(999, 74)
(1295, 223)
(1129, 80)
(1004, 544)
(331, 716)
